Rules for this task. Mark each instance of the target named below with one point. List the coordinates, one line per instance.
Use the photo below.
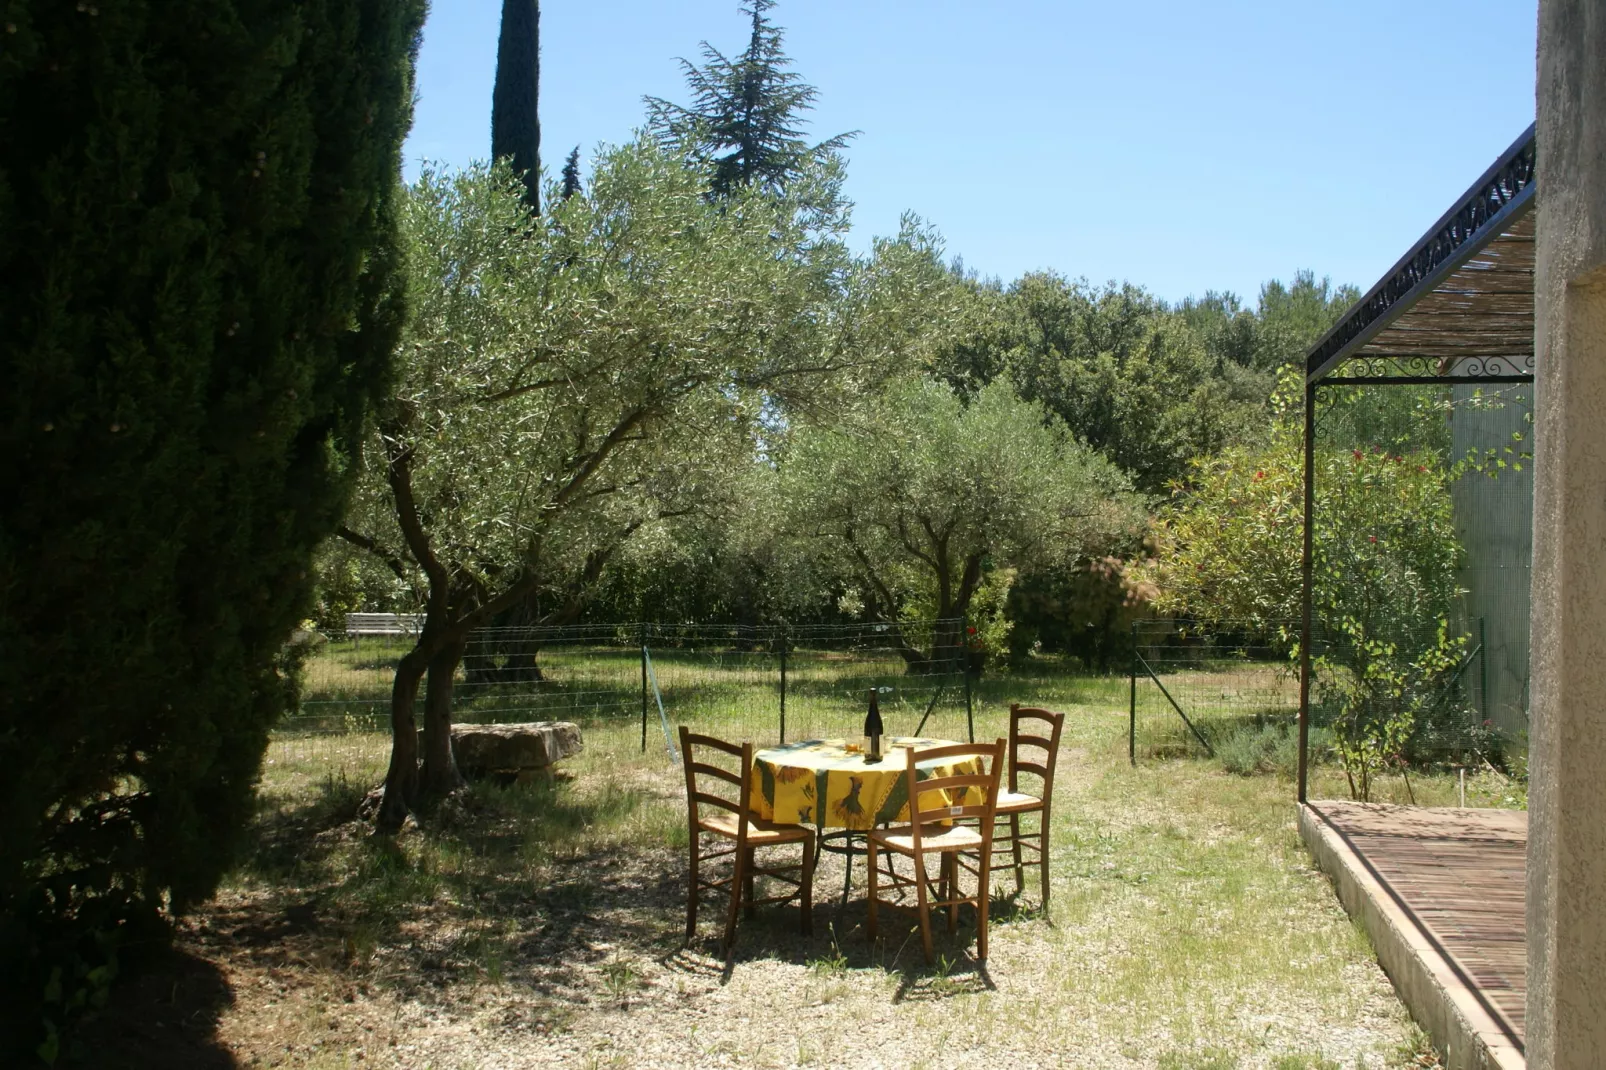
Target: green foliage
(745, 119)
(1269, 747)
(718, 563)
(571, 174)
(1149, 385)
(569, 379)
(917, 498)
(1152, 387)
(1385, 553)
(1085, 610)
(1277, 333)
(1124, 372)
(572, 380)
(348, 580)
(516, 96)
(197, 237)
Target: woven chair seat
(758, 835)
(1015, 802)
(933, 838)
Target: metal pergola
(1457, 309)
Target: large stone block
(514, 748)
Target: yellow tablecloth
(819, 782)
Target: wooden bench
(382, 624)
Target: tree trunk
(948, 642)
(440, 775)
(916, 662)
(401, 781)
(504, 655)
(953, 646)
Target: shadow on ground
(166, 1017)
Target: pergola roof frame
(1501, 196)
(1494, 209)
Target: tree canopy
(918, 498)
(566, 379)
(745, 119)
(1149, 385)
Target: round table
(820, 782)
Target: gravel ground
(1189, 931)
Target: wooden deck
(1452, 881)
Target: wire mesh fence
(766, 683)
(1193, 686)
(1422, 537)
(1231, 688)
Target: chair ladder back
(696, 796)
(992, 754)
(704, 769)
(947, 787)
(1037, 718)
(687, 736)
(718, 802)
(1034, 768)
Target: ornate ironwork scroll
(1484, 207)
(1381, 369)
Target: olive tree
(920, 499)
(566, 379)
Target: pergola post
(1566, 897)
(1455, 310)
(1306, 564)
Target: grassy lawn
(543, 924)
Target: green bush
(1385, 555)
(1264, 747)
(200, 300)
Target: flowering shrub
(1385, 558)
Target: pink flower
(1358, 455)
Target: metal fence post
(965, 666)
(1483, 672)
(1132, 701)
(641, 634)
(783, 683)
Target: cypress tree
(200, 293)
(571, 173)
(516, 95)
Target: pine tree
(571, 173)
(200, 296)
(516, 95)
(745, 117)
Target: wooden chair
(1013, 803)
(735, 823)
(934, 828)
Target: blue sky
(1184, 146)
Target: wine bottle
(873, 728)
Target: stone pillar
(1566, 1020)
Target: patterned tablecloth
(820, 782)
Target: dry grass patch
(542, 925)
